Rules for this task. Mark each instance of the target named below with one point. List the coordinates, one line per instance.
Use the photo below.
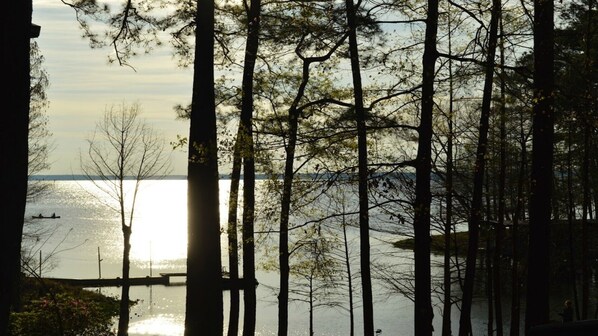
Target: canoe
(45, 217)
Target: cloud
(83, 84)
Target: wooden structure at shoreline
(164, 280)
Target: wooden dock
(163, 280)
(114, 282)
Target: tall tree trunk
(285, 206)
(247, 151)
(537, 311)
(478, 179)
(421, 222)
(587, 154)
(249, 293)
(289, 174)
(571, 221)
(311, 305)
(489, 283)
(515, 283)
(233, 241)
(123, 317)
(283, 258)
(364, 226)
(16, 29)
(203, 314)
(489, 252)
(502, 176)
(585, 180)
(349, 279)
(447, 304)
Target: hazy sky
(83, 85)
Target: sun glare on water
(163, 325)
(160, 223)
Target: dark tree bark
(203, 315)
(289, 174)
(421, 222)
(364, 226)
(349, 280)
(570, 222)
(585, 182)
(247, 153)
(537, 311)
(502, 176)
(123, 317)
(233, 240)
(16, 28)
(478, 179)
(515, 282)
(124, 313)
(489, 285)
(447, 304)
(283, 258)
(587, 154)
(249, 293)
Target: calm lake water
(159, 237)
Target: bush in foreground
(52, 309)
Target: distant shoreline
(84, 177)
(59, 177)
(343, 176)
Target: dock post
(150, 257)
(99, 264)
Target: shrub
(61, 310)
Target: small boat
(40, 216)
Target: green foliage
(39, 136)
(51, 309)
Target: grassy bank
(437, 244)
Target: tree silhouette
(16, 29)
(124, 147)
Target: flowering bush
(69, 312)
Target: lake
(87, 225)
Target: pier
(163, 280)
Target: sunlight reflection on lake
(163, 234)
(89, 222)
(161, 325)
(159, 242)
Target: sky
(83, 85)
